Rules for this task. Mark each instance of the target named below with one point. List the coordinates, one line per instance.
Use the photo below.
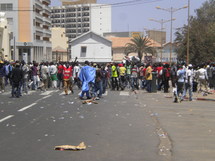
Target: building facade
(119, 45)
(92, 47)
(158, 36)
(74, 2)
(59, 45)
(30, 23)
(82, 18)
(4, 38)
(167, 51)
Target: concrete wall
(59, 38)
(98, 50)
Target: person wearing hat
(2, 76)
(188, 83)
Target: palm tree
(140, 45)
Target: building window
(6, 7)
(10, 21)
(83, 51)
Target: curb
(205, 99)
(198, 98)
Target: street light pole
(188, 34)
(171, 11)
(162, 21)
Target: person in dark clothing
(16, 78)
(104, 77)
(98, 83)
(165, 77)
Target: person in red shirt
(60, 76)
(67, 78)
(160, 81)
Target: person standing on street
(114, 77)
(2, 76)
(134, 77)
(67, 78)
(148, 76)
(76, 71)
(24, 83)
(87, 76)
(53, 74)
(44, 76)
(34, 72)
(188, 83)
(104, 76)
(165, 77)
(16, 77)
(122, 79)
(202, 79)
(60, 75)
(180, 83)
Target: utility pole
(162, 21)
(188, 34)
(171, 11)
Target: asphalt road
(118, 128)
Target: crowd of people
(94, 78)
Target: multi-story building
(81, 18)
(30, 23)
(73, 2)
(158, 36)
(4, 38)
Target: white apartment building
(4, 38)
(30, 23)
(82, 18)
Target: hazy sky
(135, 16)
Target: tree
(202, 35)
(140, 45)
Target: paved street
(122, 126)
(117, 128)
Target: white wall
(98, 50)
(14, 15)
(100, 18)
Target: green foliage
(202, 35)
(140, 45)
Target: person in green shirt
(114, 77)
(128, 74)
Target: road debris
(81, 146)
(90, 101)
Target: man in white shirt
(53, 74)
(188, 83)
(202, 78)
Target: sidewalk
(187, 128)
(198, 96)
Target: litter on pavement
(81, 146)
